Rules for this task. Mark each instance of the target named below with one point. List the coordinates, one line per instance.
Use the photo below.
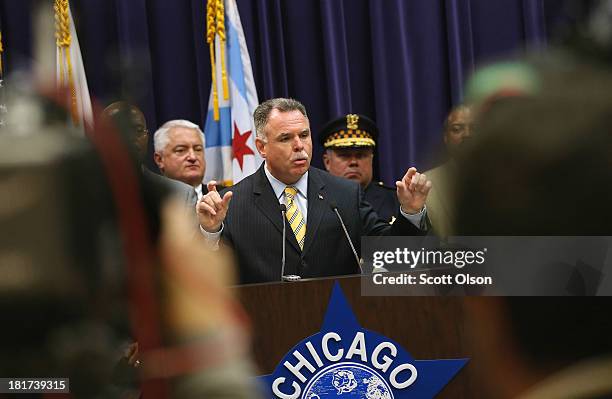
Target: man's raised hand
(211, 209)
(412, 191)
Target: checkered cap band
(350, 138)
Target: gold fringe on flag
(221, 33)
(63, 39)
(211, 29)
(215, 25)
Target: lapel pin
(320, 196)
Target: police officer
(349, 143)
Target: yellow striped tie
(294, 216)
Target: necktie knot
(290, 192)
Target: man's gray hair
(161, 139)
(263, 110)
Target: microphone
(291, 277)
(334, 207)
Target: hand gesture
(412, 191)
(211, 209)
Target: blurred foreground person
(458, 129)
(349, 143)
(89, 259)
(542, 348)
(542, 165)
(539, 166)
(131, 124)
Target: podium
(282, 314)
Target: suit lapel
(317, 206)
(267, 203)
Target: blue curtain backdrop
(402, 62)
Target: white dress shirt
(198, 190)
(301, 197)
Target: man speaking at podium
(322, 216)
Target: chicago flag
(230, 141)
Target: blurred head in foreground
(542, 163)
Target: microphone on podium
(334, 207)
(291, 277)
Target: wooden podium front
(283, 314)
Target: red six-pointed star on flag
(240, 146)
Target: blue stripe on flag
(218, 133)
(235, 60)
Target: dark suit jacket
(383, 199)
(183, 191)
(254, 225)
